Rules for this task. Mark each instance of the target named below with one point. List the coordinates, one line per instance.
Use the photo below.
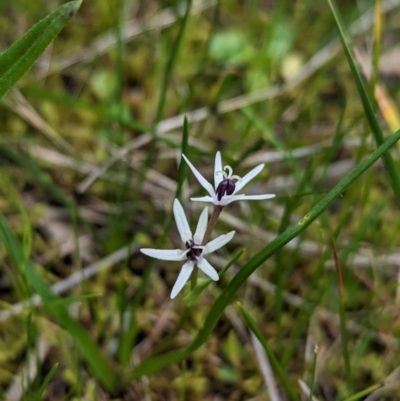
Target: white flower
(194, 252)
(225, 188)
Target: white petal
(257, 197)
(205, 199)
(218, 176)
(225, 200)
(234, 198)
(203, 182)
(207, 269)
(201, 227)
(181, 222)
(182, 279)
(248, 177)
(164, 254)
(218, 242)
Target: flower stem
(210, 227)
(193, 278)
(211, 223)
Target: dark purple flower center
(225, 187)
(194, 250)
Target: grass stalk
(170, 65)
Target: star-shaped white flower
(194, 252)
(226, 189)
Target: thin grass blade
(271, 356)
(192, 298)
(365, 392)
(182, 164)
(39, 393)
(377, 48)
(170, 65)
(367, 103)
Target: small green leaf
(20, 56)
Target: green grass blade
(377, 45)
(190, 300)
(20, 56)
(85, 343)
(154, 364)
(171, 63)
(182, 164)
(43, 387)
(271, 357)
(193, 297)
(75, 298)
(367, 103)
(365, 392)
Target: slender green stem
(170, 65)
(182, 164)
(193, 277)
(210, 228)
(271, 356)
(211, 224)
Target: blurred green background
(90, 146)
